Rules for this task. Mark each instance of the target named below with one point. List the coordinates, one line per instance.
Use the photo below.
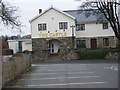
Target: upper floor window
(63, 25)
(42, 26)
(105, 25)
(80, 27)
(81, 44)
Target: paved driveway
(69, 75)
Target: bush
(26, 51)
(93, 54)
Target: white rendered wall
(52, 18)
(27, 45)
(95, 30)
(13, 45)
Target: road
(68, 75)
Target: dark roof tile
(81, 16)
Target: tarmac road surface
(68, 75)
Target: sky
(29, 9)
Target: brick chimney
(40, 11)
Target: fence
(13, 66)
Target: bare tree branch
(109, 10)
(9, 15)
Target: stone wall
(40, 48)
(112, 42)
(112, 56)
(66, 49)
(13, 66)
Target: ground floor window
(81, 44)
(106, 41)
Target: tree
(9, 16)
(107, 9)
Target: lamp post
(72, 30)
(73, 37)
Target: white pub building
(56, 34)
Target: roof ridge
(78, 10)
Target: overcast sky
(29, 8)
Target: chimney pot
(40, 11)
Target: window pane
(106, 41)
(63, 25)
(81, 44)
(105, 25)
(44, 26)
(60, 26)
(80, 27)
(39, 26)
(83, 27)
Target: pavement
(68, 74)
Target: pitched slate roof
(81, 17)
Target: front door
(53, 47)
(93, 43)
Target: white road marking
(63, 84)
(52, 65)
(57, 73)
(62, 69)
(62, 78)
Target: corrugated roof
(82, 18)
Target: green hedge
(94, 54)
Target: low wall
(112, 56)
(13, 66)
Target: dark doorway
(93, 43)
(20, 46)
